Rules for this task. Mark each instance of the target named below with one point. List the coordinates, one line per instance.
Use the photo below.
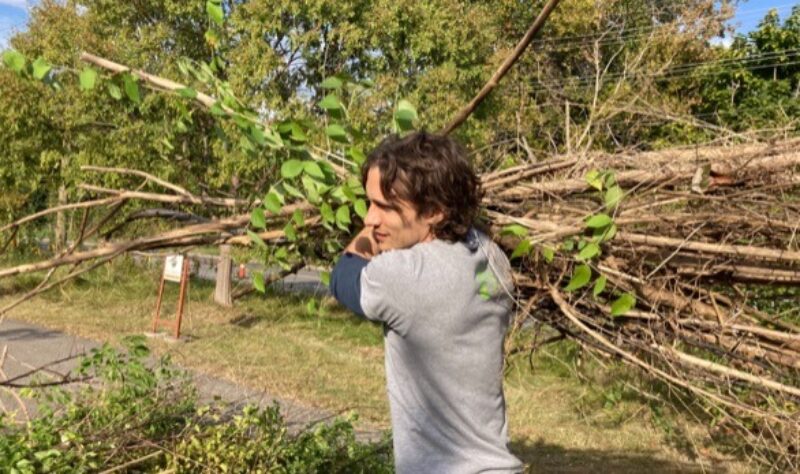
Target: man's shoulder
(397, 263)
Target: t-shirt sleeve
(387, 284)
(345, 284)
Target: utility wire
(592, 37)
(625, 36)
(688, 69)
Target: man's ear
(434, 218)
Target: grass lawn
(329, 359)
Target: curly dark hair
(432, 173)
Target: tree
(755, 83)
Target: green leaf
(343, 217)
(187, 92)
(272, 139)
(356, 155)
(330, 102)
(623, 304)
(217, 110)
(599, 285)
(580, 277)
(337, 133)
(613, 196)
(292, 190)
(293, 131)
(214, 10)
(348, 192)
(332, 82)
(523, 248)
(609, 179)
(131, 88)
(360, 207)
(327, 213)
(548, 253)
(325, 278)
(606, 234)
(272, 202)
(599, 221)
(311, 307)
(405, 115)
(257, 218)
(281, 254)
(258, 282)
(312, 188)
(312, 169)
(256, 239)
(114, 91)
(14, 60)
(291, 168)
(257, 135)
(290, 232)
(589, 251)
(40, 68)
(594, 180)
(88, 78)
(297, 217)
(515, 230)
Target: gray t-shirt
(445, 314)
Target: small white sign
(173, 268)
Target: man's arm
(345, 284)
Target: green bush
(144, 416)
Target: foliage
(587, 249)
(283, 59)
(756, 83)
(134, 410)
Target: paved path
(28, 347)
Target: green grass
(560, 421)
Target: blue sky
(750, 13)
(14, 14)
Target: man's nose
(373, 217)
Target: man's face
(395, 223)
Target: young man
(441, 290)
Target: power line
(688, 69)
(553, 44)
(742, 14)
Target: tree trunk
(222, 293)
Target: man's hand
(364, 244)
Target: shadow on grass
(246, 320)
(542, 457)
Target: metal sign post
(176, 269)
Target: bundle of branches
(676, 232)
(683, 235)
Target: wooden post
(222, 291)
(158, 304)
(182, 297)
